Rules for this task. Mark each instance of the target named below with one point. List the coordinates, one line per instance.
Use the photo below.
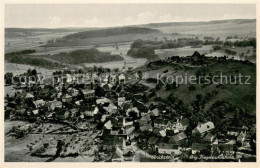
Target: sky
(109, 15)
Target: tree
(8, 78)
(199, 97)
(192, 88)
(34, 72)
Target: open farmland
(183, 51)
(214, 28)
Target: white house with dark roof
(170, 149)
(88, 93)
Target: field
(20, 39)
(31, 41)
(183, 51)
(215, 29)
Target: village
(110, 117)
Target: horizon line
(126, 25)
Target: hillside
(166, 24)
(110, 32)
(103, 36)
(238, 95)
(85, 56)
(30, 32)
(220, 28)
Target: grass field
(215, 30)
(183, 51)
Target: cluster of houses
(123, 122)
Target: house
(121, 101)
(108, 125)
(92, 111)
(39, 103)
(29, 96)
(170, 149)
(145, 120)
(112, 142)
(74, 112)
(103, 101)
(55, 104)
(234, 131)
(66, 98)
(154, 112)
(146, 128)
(130, 132)
(180, 125)
(111, 108)
(241, 138)
(225, 149)
(177, 139)
(88, 93)
(78, 102)
(133, 110)
(104, 117)
(183, 124)
(203, 128)
(160, 123)
(198, 147)
(125, 123)
(211, 138)
(118, 155)
(162, 133)
(67, 115)
(121, 78)
(73, 92)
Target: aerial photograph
(130, 82)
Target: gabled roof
(154, 112)
(102, 101)
(87, 91)
(162, 133)
(146, 127)
(167, 146)
(121, 76)
(201, 128)
(66, 96)
(129, 130)
(56, 103)
(209, 135)
(199, 146)
(146, 117)
(35, 112)
(29, 95)
(110, 108)
(39, 102)
(121, 99)
(108, 125)
(179, 137)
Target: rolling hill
(105, 35)
(219, 28)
